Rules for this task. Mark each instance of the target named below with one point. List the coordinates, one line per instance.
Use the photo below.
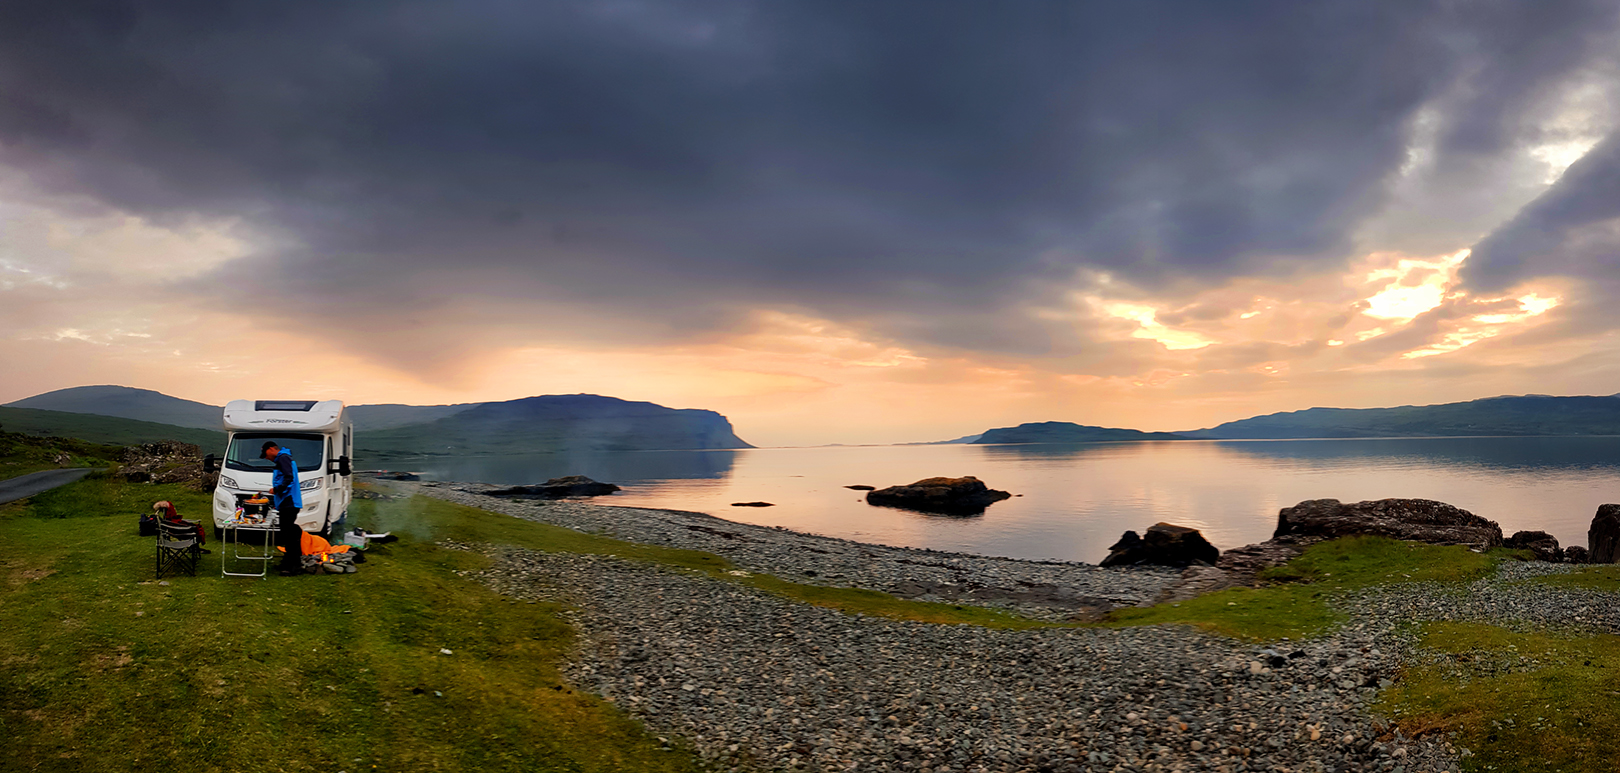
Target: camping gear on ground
(177, 548)
(375, 536)
(165, 510)
(323, 556)
(247, 538)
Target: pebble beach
(753, 681)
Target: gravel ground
(754, 681)
(1046, 589)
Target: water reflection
(1075, 499)
(1505, 453)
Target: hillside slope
(557, 422)
(147, 405)
(126, 403)
(109, 430)
(1523, 415)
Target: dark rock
(402, 476)
(1246, 562)
(1543, 545)
(1575, 554)
(570, 486)
(1164, 544)
(1603, 538)
(862, 488)
(752, 504)
(166, 461)
(951, 496)
(1419, 520)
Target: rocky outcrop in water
(556, 488)
(949, 496)
(1419, 520)
(1163, 545)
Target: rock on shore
(1543, 545)
(1165, 544)
(1603, 538)
(1420, 520)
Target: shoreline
(1044, 589)
(755, 681)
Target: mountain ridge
(149, 405)
(535, 424)
(1513, 415)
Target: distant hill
(127, 403)
(117, 414)
(105, 429)
(554, 423)
(390, 415)
(963, 440)
(1066, 432)
(1524, 415)
(147, 405)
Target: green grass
(427, 519)
(105, 429)
(1295, 605)
(1605, 577)
(21, 454)
(1538, 701)
(1253, 614)
(103, 670)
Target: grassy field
(1295, 605)
(102, 669)
(1531, 701)
(21, 454)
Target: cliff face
(1066, 432)
(559, 422)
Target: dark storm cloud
(1571, 230)
(931, 168)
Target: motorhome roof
(302, 415)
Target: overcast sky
(832, 221)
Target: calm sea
(1074, 500)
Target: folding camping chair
(177, 548)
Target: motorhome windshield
(307, 451)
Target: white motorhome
(320, 438)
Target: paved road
(33, 483)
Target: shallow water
(1075, 500)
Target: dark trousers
(290, 537)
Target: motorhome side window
(243, 455)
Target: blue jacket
(284, 483)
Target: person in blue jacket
(287, 499)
